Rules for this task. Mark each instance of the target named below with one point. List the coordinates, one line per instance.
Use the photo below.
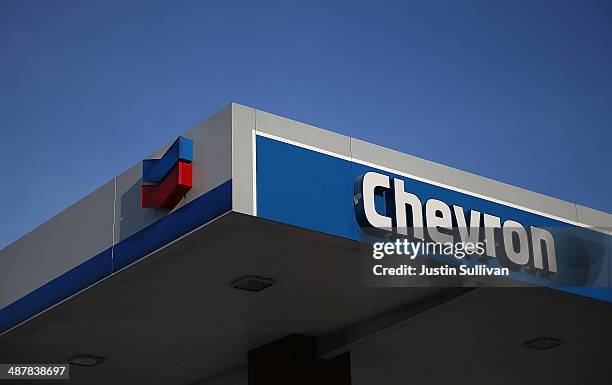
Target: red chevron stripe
(169, 192)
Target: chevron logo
(167, 180)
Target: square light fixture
(543, 343)
(85, 360)
(253, 283)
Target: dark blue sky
(519, 91)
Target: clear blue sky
(519, 91)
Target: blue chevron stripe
(154, 170)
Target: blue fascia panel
(196, 213)
(55, 291)
(309, 189)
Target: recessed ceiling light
(253, 283)
(543, 343)
(86, 360)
